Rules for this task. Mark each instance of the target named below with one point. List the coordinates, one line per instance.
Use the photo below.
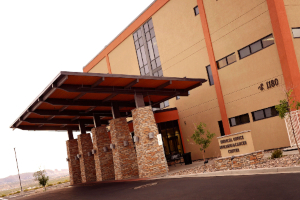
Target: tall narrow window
(210, 76)
(196, 11)
(147, 52)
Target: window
(238, 120)
(147, 50)
(196, 11)
(210, 76)
(226, 61)
(264, 113)
(164, 104)
(296, 32)
(256, 46)
(221, 128)
(177, 97)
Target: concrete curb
(242, 172)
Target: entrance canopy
(75, 98)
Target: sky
(38, 39)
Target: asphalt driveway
(272, 186)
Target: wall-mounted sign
(236, 143)
(270, 84)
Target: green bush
(276, 154)
(3, 195)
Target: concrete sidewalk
(241, 172)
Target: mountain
(12, 181)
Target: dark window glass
(231, 58)
(148, 37)
(259, 115)
(152, 34)
(160, 73)
(150, 24)
(255, 47)
(135, 37)
(264, 113)
(244, 52)
(222, 63)
(151, 53)
(155, 47)
(143, 71)
(267, 41)
(137, 45)
(238, 120)
(166, 103)
(221, 128)
(141, 42)
(139, 32)
(139, 55)
(144, 55)
(146, 28)
(153, 64)
(296, 32)
(196, 10)
(158, 62)
(210, 76)
(146, 69)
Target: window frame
(249, 46)
(209, 76)
(226, 57)
(239, 116)
(293, 33)
(195, 10)
(265, 116)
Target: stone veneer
(87, 163)
(103, 160)
(240, 161)
(150, 155)
(74, 165)
(125, 161)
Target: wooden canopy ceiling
(74, 97)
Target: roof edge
(144, 16)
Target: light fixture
(94, 151)
(112, 146)
(151, 135)
(105, 149)
(125, 143)
(135, 138)
(78, 156)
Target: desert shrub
(65, 181)
(276, 154)
(50, 185)
(3, 195)
(26, 190)
(59, 182)
(18, 192)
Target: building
(248, 50)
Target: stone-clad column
(150, 155)
(103, 160)
(125, 162)
(74, 165)
(87, 163)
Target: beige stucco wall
(123, 59)
(292, 9)
(101, 67)
(183, 53)
(240, 24)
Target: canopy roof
(74, 97)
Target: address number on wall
(270, 84)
